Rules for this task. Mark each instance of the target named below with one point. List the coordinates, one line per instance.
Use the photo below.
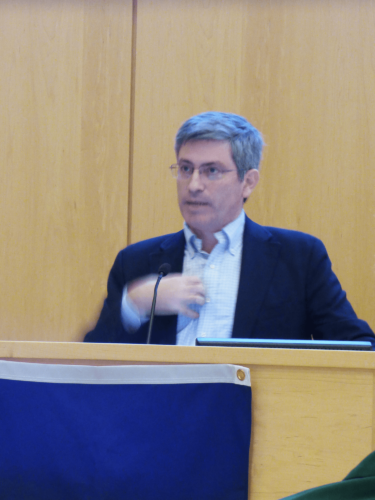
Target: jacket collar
(259, 258)
(171, 251)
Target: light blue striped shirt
(219, 272)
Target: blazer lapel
(260, 255)
(171, 251)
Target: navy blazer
(287, 290)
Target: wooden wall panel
(65, 93)
(303, 73)
(189, 60)
(311, 89)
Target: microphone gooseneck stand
(164, 269)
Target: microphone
(164, 269)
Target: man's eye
(212, 172)
(185, 169)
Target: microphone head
(164, 269)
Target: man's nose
(195, 182)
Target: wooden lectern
(313, 411)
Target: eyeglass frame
(176, 169)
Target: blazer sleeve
(330, 315)
(109, 328)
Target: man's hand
(175, 293)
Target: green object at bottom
(359, 484)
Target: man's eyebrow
(181, 160)
(207, 164)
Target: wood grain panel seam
(132, 116)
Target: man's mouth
(196, 203)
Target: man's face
(207, 206)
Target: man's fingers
(197, 289)
(198, 299)
(186, 311)
(192, 280)
(177, 293)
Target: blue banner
(124, 432)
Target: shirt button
(212, 266)
(208, 300)
(203, 334)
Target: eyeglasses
(209, 172)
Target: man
(229, 276)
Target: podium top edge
(61, 352)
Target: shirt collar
(231, 235)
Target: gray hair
(245, 140)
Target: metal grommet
(241, 375)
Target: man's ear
(250, 181)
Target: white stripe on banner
(149, 374)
